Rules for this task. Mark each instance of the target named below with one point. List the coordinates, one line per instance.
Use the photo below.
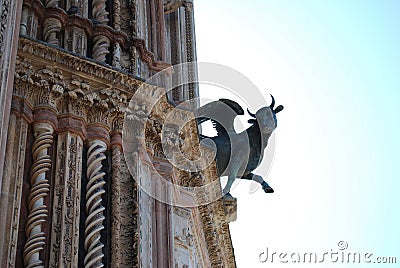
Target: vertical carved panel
(189, 30)
(146, 208)
(37, 214)
(29, 22)
(24, 21)
(117, 56)
(82, 6)
(116, 207)
(117, 14)
(12, 185)
(124, 213)
(94, 207)
(66, 204)
(8, 35)
(75, 40)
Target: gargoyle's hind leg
(227, 188)
(228, 185)
(260, 180)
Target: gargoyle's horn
(250, 113)
(272, 103)
(278, 109)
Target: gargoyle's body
(238, 154)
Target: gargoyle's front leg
(260, 180)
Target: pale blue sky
(335, 66)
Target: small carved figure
(238, 154)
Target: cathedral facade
(70, 196)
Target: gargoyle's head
(266, 117)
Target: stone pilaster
(75, 40)
(66, 204)
(124, 203)
(10, 13)
(11, 192)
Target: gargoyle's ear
(252, 121)
(278, 109)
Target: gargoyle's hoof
(267, 188)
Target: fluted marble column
(37, 210)
(94, 208)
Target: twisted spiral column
(94, 208)
(100, 47)
(51, 3)
(37, 210)
(51, 28)
(99, 11)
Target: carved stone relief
(12, 184)
(67, 196)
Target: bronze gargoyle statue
(238, 154)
